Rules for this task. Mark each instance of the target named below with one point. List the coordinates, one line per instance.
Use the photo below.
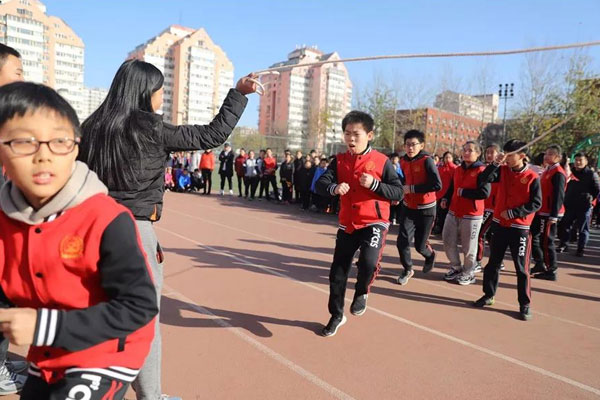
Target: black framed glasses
(29, 146)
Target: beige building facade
(51, 51)
(306, 104)
(198, 73)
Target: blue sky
(259, 33)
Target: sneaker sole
(344, 319)
(450, 279)
(465, 283)
(359, 313)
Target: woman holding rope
(126, 127)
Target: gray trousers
(467, 231)
(147, 383)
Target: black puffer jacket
(145, 198)
(583, 189)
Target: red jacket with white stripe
(553, 181)
(362, 207)
(519, 194)
(465, 194)
(86, 274)
(421, 175)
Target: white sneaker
(222, 192)
(465, 279)
(231, 192)
(477, 268)
(10, 382)
(167, 397)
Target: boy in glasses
(74, 282)
(421, 181)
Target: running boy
(366, 181)
(543, 229)
(421, 181)
(519, 197)
(71, 266)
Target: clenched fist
(366, 180)
(18, 325)
(245, 85)
(342, 189)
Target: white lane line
(448, 287)
(272, 240)
(335, 392)
(454, 339)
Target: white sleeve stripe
(332, 188)
(42, 327)
(52, 327)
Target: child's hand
(18, 325)
(342, 189)
(500, 158)
(366, 180)
(444, 204)
(245, 86)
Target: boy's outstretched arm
(131, 302)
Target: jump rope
(276, 70)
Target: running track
(246, 287)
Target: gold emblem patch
(370, 166)
(474, 174)
(417, 168)
(71, 246)
(524, 180)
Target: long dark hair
(114, 136)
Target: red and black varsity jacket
(421, 174)
(519, 194)
(85, 272)
(362, 207)
(490, 202)
(446, 173)
(465, 194)
(553, 182)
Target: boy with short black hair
(421, 181)
(72, 271)
(519, 197)
(367, 183)
(543, 228)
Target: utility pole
(505, 92)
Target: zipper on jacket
(121, 345)
(378, 210)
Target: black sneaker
(547, 276)
(333, 325)
(537, 269)
(562, 248)
(429, 263)
(579, 253)
(405, 276)
(359, 305)
(525, 313)
(484, 301)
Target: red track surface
(246, 287)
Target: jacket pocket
(378, 210)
